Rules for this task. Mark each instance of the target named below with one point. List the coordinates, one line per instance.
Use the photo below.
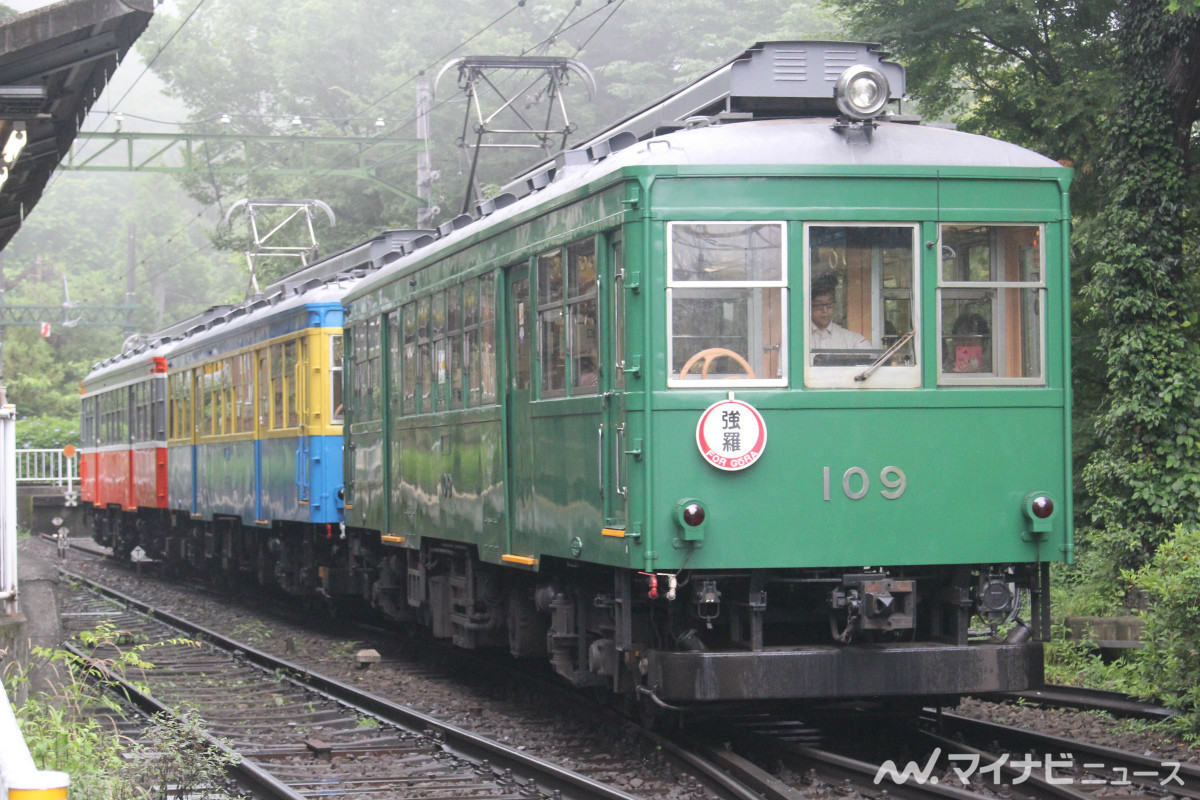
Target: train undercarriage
(675, 639)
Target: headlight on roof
(862, 92)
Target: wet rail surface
(1117, 704)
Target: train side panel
(149, 475)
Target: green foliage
(47, 433)
(178, 758)
(253, 65)
(1168, 666)
(1037, 74)
(1144, 477)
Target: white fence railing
(47, 468)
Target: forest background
(1110, 88)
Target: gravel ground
(522, 716)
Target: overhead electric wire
(465, 42)
(560, 29)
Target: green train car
(762, 394)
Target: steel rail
(1115, 703)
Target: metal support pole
(8, 505)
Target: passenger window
(408, 379)
(440, 350)
(727, 293)
(471, 346)
(584, 344)
(551, 325)
(991, 294)
(335, 378)
(454, 346)
(862, 326)
(278, 388)
(421, 378)
(487, 335)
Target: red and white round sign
(731, 435)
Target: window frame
(966, 289)
(848, 377)
(676, 288)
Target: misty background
(323, 70)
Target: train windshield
(727, 292)
(862, 329)
(991, 294)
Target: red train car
(123, 452)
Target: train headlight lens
(862, 92)
(693, 515)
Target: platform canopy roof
(54, 63)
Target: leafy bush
(1168, 667)
(47, 433)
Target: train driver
(824, 333)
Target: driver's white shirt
(835, 337)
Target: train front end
(848, 468)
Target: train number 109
(856, 484)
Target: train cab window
(990, 298)
(861, 326)
(727, 294)
(335, 379)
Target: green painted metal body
(538, 479)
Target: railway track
(1065, 762)
(298, 733)
(782, 760)
(949, 758)
(717, 772)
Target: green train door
(521, 334)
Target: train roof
(759, 147)
(323, 282)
